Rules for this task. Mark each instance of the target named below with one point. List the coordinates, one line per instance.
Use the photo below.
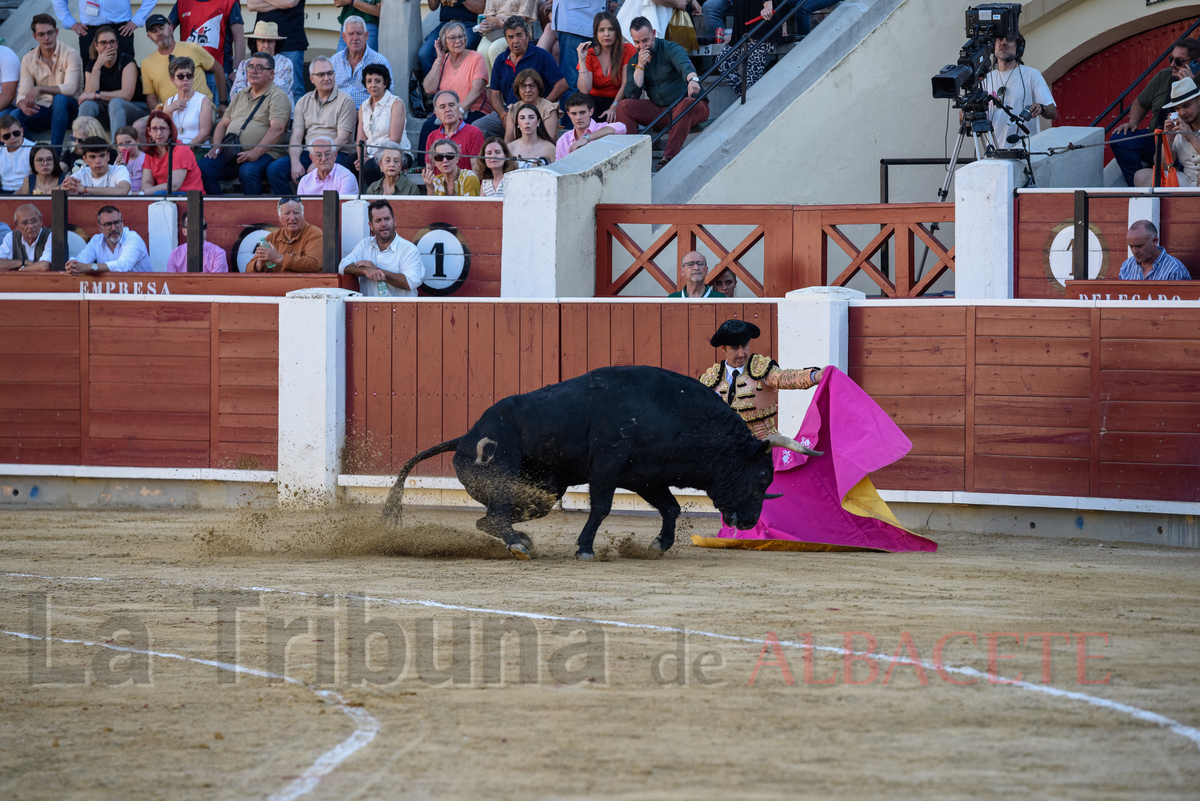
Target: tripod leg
(944, 192)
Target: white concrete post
(814, 331)
(312, 395)
(162, 235)
(355, 227)
(983, 230)
(1143, 208)
(400, 38)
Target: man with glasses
(387, 265)
(94, 14)
(259, 117)
(115, 249)
(14, 156)
(326, 111)
(1133, 148)
(1019, 87)
(288, 16)
(294, 248)
(35, 253)
(327, 173)
(692, 272)
(348, 64)
(51, 76)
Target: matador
(750, 382)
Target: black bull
(639, 428)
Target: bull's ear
(761, 447)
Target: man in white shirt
(386, 265)
(10, 77)
(14, 159)
(96, 176)
(35, 253)
(115, 249)
(1018, 87)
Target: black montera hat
(734, 332)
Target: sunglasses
(184, 76)
(443, 157)
(1179, 62)
(10, 135)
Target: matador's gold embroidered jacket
(756, 396)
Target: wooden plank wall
(1038, 217)
(478, 223)
(154, 384)
(1037, 400)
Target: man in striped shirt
(1149, 262)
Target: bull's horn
(781, 441)
(771, 495)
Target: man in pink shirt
(215, 260)
(327, 173)
(584, 129)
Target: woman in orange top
(185, 172)
(605, 58)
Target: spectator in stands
(386, 264)
(493, 167)
(1131, 147)
(47, 174)
(348, 64)
(82, 128)
(156, 75)
(726, 283)
(1019, 87)
(533, 147)
(191, 111)
(115, 249)
(519, 56)
(98, 176)
(756, 64)
(584, 129)
(529, 92)
(714, 13)
(14, 156)
(1149, 262)
(112, 88)
(367, 11)
(51, 75)
(258, 116)
(393, 181)
(215, 25)
(449, 113)
(464, 11)
(381, 119)
(573, 23)
(496, 13)
(458, 69)
(35, 253)
(130, 156)
(807, 9)
(327, 173)
(288, 17)
(294, 248)
(213, 258)
(665, 72)
(10, 79)
(326, 111)
(185, 172)
(265, 39)
(692, 271)
(605, 59)
(95, 14)
(1181, 128)
(444, 177)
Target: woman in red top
(604, 78)
(185, 172)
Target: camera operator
(1020, 88)
(1131, 154)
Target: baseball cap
(155, 20)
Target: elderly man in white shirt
(115, 249)
(36, 253)
(386, 265)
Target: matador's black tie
(729, 396)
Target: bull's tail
(394, 505)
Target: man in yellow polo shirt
(156, 81)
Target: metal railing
(1120, 101)
(750, 42)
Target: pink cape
(830, 504)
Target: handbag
(681, 31)
(231, 145)
(1168, 171)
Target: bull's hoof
(525, 540)
(584, 556)
(656, 548)
(519, 550)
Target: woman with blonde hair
(82, 128)
(494, 166)
(443, 178)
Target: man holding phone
(1130, 146)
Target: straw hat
(1182, 92)
(266, 30)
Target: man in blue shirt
(1149, 262)
(520, 55)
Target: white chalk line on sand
(1189, 732)
(366, 726)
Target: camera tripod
(975, 123)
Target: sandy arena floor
(601, 713)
